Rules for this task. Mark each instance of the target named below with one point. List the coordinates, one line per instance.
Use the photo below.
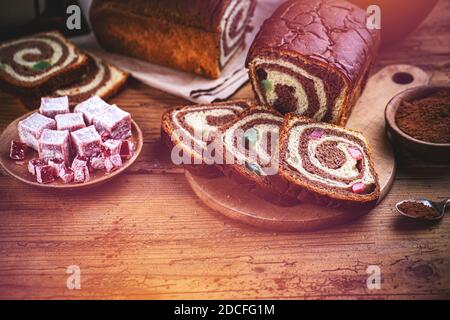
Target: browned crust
(307, 192)
(262, 186)
(204, 170)
(51, 82)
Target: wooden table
(146, 235)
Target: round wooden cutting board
(230, 199)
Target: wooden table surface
(146, 235)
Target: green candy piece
(41, 65)
(267, 85)
(251, 136)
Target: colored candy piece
(358, 187)
(98, 162)
(45, 174)
(67, 175)
(57, 165)
(316, 134)
(80, 169)
(70, 121)
(91, 107)
(355, 153)
(114, 121)
(31, 128)
(54, 144)
(126, 149)
(113, 163)
(86, 142)
(267, 85)
(111, 147)
(50, 107)
(32, 164)
(18, 150)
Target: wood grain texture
(146, 235)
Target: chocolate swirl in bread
(312, 58)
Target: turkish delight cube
(45, 174)
(50, 107)
(113, 162)
(31, 128)
(111, 147)
(86, 142)
(70, 121)
(80, 167)
(67, 175)
(18, 150)
(33, 164)
(113, 121)
(54, 144)
(91, 107)
(98, 162)
(126, 149)
(57, 165)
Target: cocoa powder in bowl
(427, 118)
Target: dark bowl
(435, 152)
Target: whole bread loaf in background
(197, 36)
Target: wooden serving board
(230, 199)
(19, 169)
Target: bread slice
(39, 64)
(249, 146)
(188, 131)
(327, 164)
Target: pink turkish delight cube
(50, 107)
(67, 175)
(54, 144)
(98, 162)
(111, 147)
(113, 163)
(91, 107)
(80, 167)
(113, 121)
(70, 121)
(86, 142)
(33, 164)
(18, 150)
(57, 165)
(45, 174)
(126, 149)
(31, 128)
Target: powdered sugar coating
(91, 107)
(86, 141)
(30, 129)
(70, 121)
(50, 107)
(54, 144)
(114, 121)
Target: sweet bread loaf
(327, 164)
(250, 149)
(39, 64)
(189, 130)
(312, 58)
(198, 36)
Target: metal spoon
(439, 208)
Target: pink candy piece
(111, 147)
(98, 162)
(358, 187)
(316, 134)
(67, 175)
(45, 174)
(31, 128)
(50, 107)
(57, 165)
(114, 121)
(355, 153)
(80, 169)
(70, 121)
(126, 149)
(113, 162)
(91, 107)
(18, 150)
(32, 164)
(54, 144)
(86, 142)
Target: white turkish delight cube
(31, 128)
(113, 163)
(86, 141)
(70, 121)
(54, 144)
(80, 167)
(114, 122)
(50, 107)
(91, 107)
